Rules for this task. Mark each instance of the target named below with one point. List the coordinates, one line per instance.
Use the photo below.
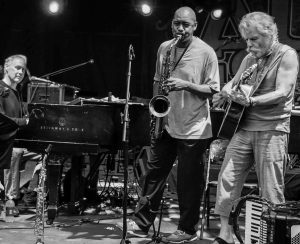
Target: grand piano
(89, 127)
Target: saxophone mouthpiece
(178, 37)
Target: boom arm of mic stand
(67, 69)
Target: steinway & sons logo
(61, 127)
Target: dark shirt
(12, 116)
(11, 104)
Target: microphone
(131, 51)
(34, 78)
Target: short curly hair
(264, 23)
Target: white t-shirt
(189, 117)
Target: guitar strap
(271, 61)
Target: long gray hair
(263, 22)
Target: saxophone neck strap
(184, 51)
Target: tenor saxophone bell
(159, 106)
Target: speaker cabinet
(141, 169)
(140, 165)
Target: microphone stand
(91, 61)
(125, 146)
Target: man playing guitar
(261, 138)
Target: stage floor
(91, 227)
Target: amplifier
(294, 136)
(49, 93)
(140, 165)
(45, 93)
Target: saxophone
(160, 105)
(40, 203)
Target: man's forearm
(267, 99)
(201, 90)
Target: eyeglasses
(184, 24)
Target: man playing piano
(262, 136)
(11, 107)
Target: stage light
(53, 7)
(146, 9)
(217, 9)
(217, 13)
(143, 7)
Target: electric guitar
(234, 111)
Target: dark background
(88, 29)
(103, 30)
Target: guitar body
(231, 120)
(234, 111)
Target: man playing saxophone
(193, 77)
